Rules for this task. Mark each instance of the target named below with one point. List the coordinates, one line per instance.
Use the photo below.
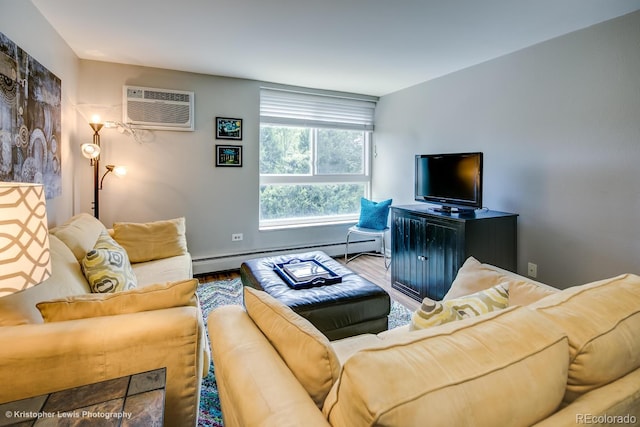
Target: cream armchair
(59, 335)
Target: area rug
(224, 292)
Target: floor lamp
(92, 152)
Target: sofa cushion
(305, 350)
(154, 297)
(347, 347)
(475, 276)
(66, 279)
(152, 240)
(472, 277)
(451, 374)
(107, 267)
(163, 270)
(255, 386)
(602, 320)
(80, 233)
(525, 293)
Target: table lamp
(25, 260)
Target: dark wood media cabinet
(428, 247)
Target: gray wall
(173, 173)
(559, 124)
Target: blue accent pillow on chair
(374, 215)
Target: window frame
(315, 178)
(287, 106)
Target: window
(314, 157)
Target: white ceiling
(363, 46)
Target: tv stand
(450, 210)
(428, 247)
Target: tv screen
(450, 180)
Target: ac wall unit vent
(161, 109)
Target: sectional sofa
(59, 335)
(551, 358)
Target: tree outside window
(310, 174)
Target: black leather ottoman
(354, 306)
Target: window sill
(307, 225)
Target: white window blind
(313, 110)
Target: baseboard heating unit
(225, 262)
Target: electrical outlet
(236, 237)
(532, 270)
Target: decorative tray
(306, 273)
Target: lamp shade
(25, 260)
(90, 151)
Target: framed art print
(228, 128)
(229, 155)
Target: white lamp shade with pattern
(25, 259)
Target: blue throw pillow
(374, 215)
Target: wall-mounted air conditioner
(161, 109)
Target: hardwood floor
(219, 275)
(369, 267)
(372, 269)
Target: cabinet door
(409, 271)
(444, 248)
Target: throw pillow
(152, 240)
(601, 320)
(154, 297)
(475, 276)
(432, 313)
(494, 298)
(107, 267)
(472, 277)
(525, 293)
(305, 350)
(80, 233)
(374, 215)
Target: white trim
(313, 179)
(312, 221)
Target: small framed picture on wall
(229, 155)
(228, 128)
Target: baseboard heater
(225, 262)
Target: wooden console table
(131, 401)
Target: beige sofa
(552, 358)
(158, 324)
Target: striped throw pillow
(434, 313)
(495, 298)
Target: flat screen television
(453, 181)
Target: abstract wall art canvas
(30, 120)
